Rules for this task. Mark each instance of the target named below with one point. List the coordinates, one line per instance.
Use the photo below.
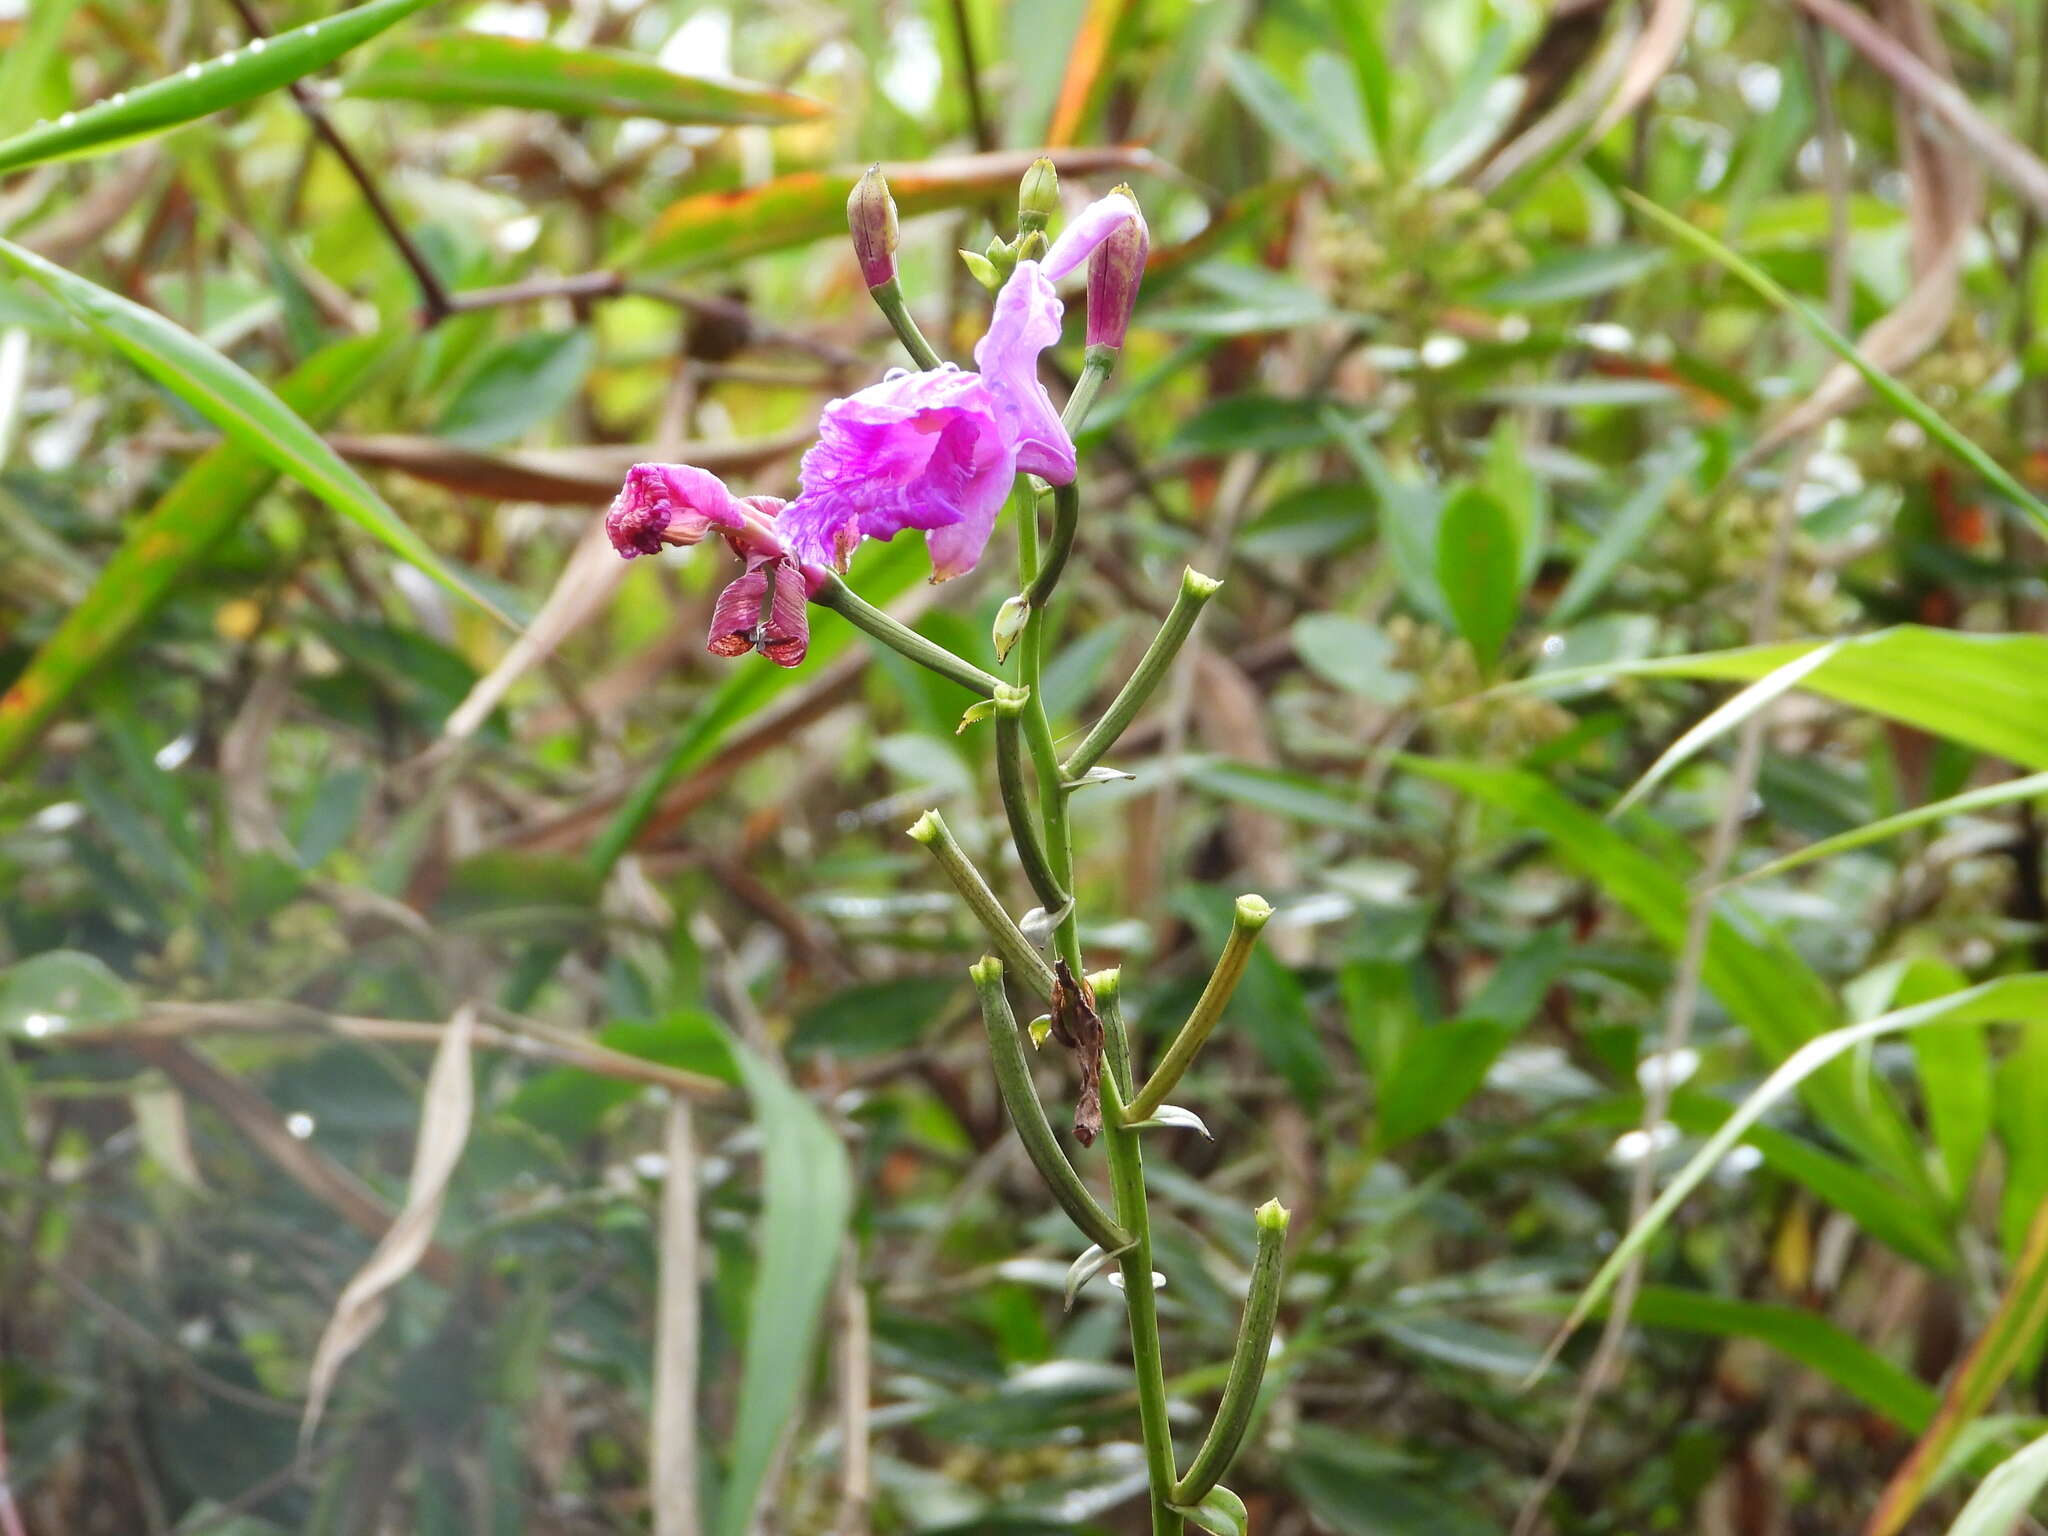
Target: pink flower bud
(871, 215)
(1115, 271)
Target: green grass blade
(1761, 981)
(2031, 787)
(200, 89)
(241, 407)
(481, 69)
(1894, 393)
(2007, 1000)
(2000, 1350)
(25, 64)
(1798, 1335)
(806, 1198)
(2003, 1499)
(1989, 692)
(193, 516)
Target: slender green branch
(901, 638)
(1066, 518)
(1252, 913)
(1127, 1181)
(1027, 1114)
(1247, 1363)
(1116, 1040)
(1003, 932)
(888, 297)
(1052, 803)
(1010, 703)
(1195, 591)
(1096, 365)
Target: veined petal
(737, 613)
(1025, 323)
(669, 504)
(1085, 231)
(920, 451)
(785, 634)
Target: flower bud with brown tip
(871, 215)
(1115, 272)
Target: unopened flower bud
(1038, 197)
(1010, 621)
(981, 269)
(871, 215)
(1115, 272)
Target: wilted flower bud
(1010, 619)
(871, 215)
(1114, 273)
(1038, 197)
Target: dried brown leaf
(445, 1114)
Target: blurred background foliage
(300, 854)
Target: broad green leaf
(711, 229)
(519, 384)
(1283, 114)
(253, 70)
(806, 1198)
(1220, 1512)
(1749, 968)
(2007, 1341)
(1894, 393)
(1989, 692)
(1409, 516)
(2031, 787)
(1459, 131)
(1353, 655)
(1287, 794)
(1478, 566)
(167, 542)
(241, 407)
(1799, 1335)
(1252, 423)
(1760, 694)
(2010, 999)
(483, 69)
(1576, 273)
(25, 67)
(1625, 529)
(1358, 24)
(2000, 1504)
(876, 1018)
(62, 989)
(1438, 1069)
(2021, 1107)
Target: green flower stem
(1247, 1364)
(1066, 518)
(888, 299)
(1010, 705)
(1127, 1181)
(1096, 365)
(1108, 988)
(1252, 913)
(1195, 591)
(1027, 1114)
(1052, 802)
(901, 638)
(931, 830)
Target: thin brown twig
(435, 305)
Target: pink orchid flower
(764, 609)
(935, 451)
(939, 451)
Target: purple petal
(1085, 231)
(1025, 323)
(737, 614)
(669, 504)
(785, 635)
(921, 450)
